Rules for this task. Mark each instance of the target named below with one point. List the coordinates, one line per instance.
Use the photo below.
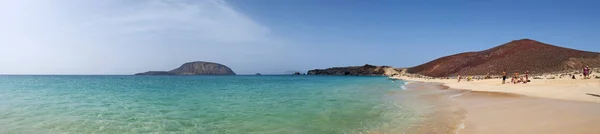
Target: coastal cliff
(195, 68)
(514, 56)
(366, 70)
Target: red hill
(514, 56)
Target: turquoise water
(201, 104)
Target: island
(365, 70)
(195, 68)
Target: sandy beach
(551, 106)
(564, 89)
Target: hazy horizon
(273, 37)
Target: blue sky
(274, 36)
(418, 31)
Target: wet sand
(444, 116)
(485, 112)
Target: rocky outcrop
(291, 72)
(514, 56)
(366, 70)
(195, 68)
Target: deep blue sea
(202, 104)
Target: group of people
(525, 79)
(516, 79)
(469, 78)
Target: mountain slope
(514, 56)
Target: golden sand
(549, 106)
(565, 89)
(491, 113)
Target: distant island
(365, 70)
(291, 72)
(195, 68)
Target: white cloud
(126, 36)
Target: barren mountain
(514, 56)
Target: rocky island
(195, 68)
(366, 70)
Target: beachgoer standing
(526, 75)
(503, 77)
(516, 77)
(586, 72)
(459, 78)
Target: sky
(274, 36)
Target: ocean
(204, 104)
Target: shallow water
(203, 104)
(441, 114)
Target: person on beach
(583, 71)
(520, 79)
(516, 77)
(526, 75)
(512, 80)
(586, 72)
(503, 77)
(459, 78)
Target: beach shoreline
(543, 106)
(443, 116)
(587, 90)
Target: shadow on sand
(593, 94)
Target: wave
(460, 94)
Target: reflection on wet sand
(502, 113)
(484, 112)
